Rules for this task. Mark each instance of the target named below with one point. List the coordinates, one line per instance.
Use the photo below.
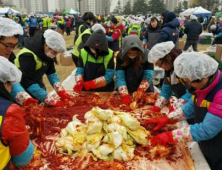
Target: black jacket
(27, 63)
(97, 41)
(193, 29)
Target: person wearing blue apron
(163, 56)
(15, 144)
(205, 107)
(95, 69)
(134, 73)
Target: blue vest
(212, 148)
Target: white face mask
(50, 55)
(132, 57)
(93, 51)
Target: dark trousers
(189, 43)
(32, 31)
(68, 30)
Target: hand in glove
(30, 101)
(78, 87)
(90, 85)
(163, 139)
(160, 122)
(24, 99)
(159, 104)
(63, 95)
(139, 94)
(176, 103)
(126, 99)
(52, 101)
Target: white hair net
(160, 50)
(147, 21)
(194, 66)
(55, 41)
(9, 28)
(8, 71)
(97, 27)
(193, 17)
(213, 27)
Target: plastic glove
(163, 139)
(78, 87)
(59, 104)
(138, 95)
(160, 122)
(52, 100)
(176, 103)
(30, 101)
(64, 95)
(126, 99)
(89, 85)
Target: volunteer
(95, 69)
(163, 56)
(9, 32)
(36, 59)
(113, 35)
(152, 34)
(15, 144)
(169, 31)
(133, 71)
(201, 72)
(87, 21)
(81, 40)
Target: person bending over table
(134, 74)
(202, 74)
(95, 69)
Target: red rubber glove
(160, 122)
(126, 99)
(78, 86)
(59, 104)
(89, 85)
(64, 95)
(30, 101)
(155, 109)
(162, 139)
(138, 95)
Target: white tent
(73, 12)
(198, 11)
(8, 10)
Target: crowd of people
(113, 53)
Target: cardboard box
(181, 44)
(65, 61)
(218, 53)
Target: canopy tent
(8, 11)
(198, 11)
(71, 11)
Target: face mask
(50, 55)
(93, 51)
(132, 57)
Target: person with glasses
(15, 144)
(163, 55)
(9, 32)
(36, 59)
(134, 74)
(205, 106)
